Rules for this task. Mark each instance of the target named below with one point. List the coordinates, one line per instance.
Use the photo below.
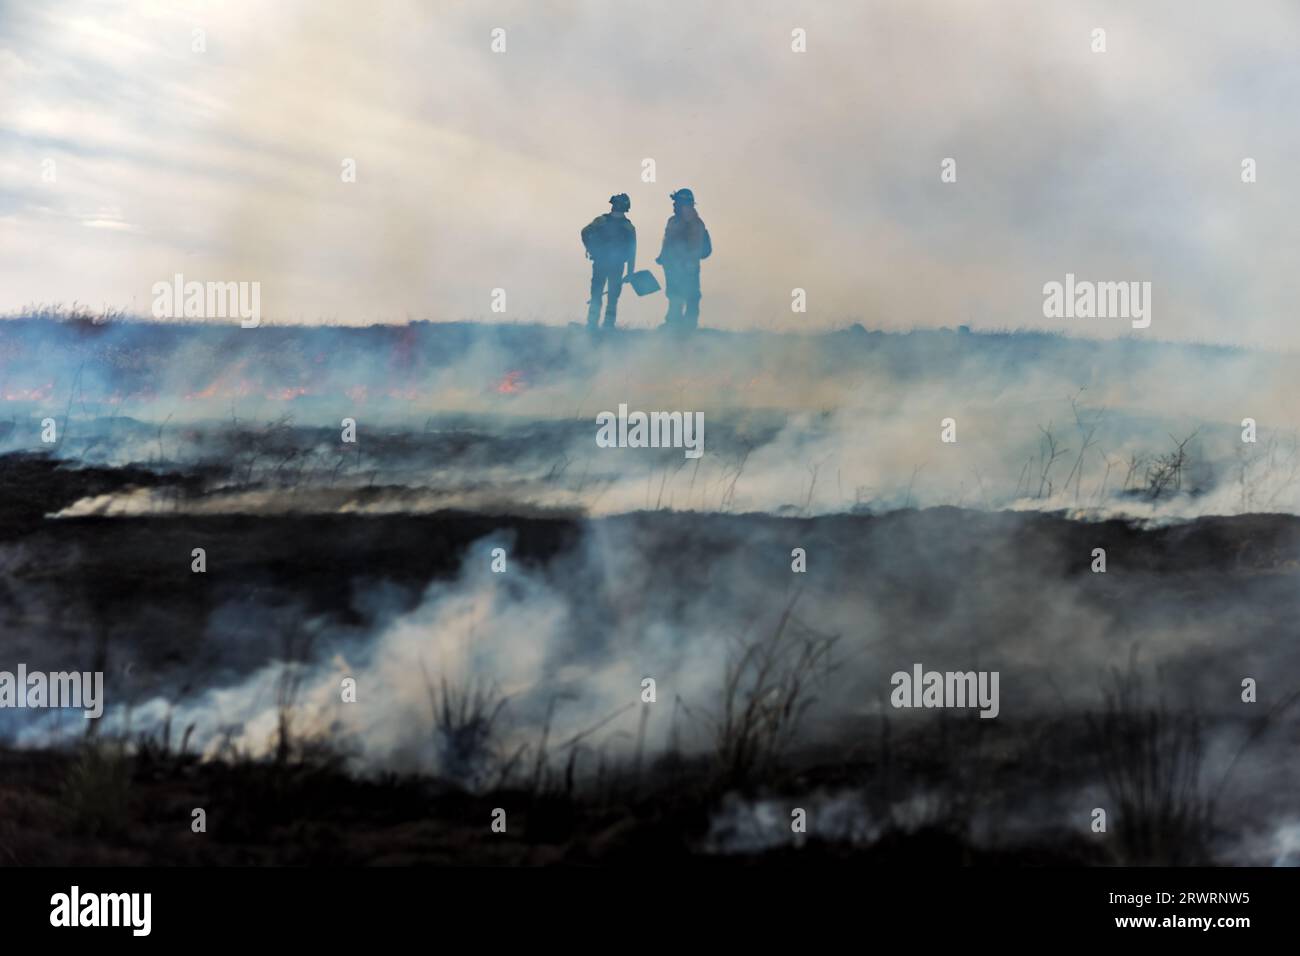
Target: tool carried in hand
(643, 282)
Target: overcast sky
(817, 170)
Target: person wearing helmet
(610, 241)
(686, 243)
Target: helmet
(620, 203)
(683, 196)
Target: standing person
(686, 242)
(610, 241)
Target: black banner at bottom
(242, 905)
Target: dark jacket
(686, 240)
(610, 239)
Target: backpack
(606, 236)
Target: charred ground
(1209, 601)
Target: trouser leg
(674, 312)
(615, 280)
(597, 287)
(691, 319)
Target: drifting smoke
(566, 644)
(823, 443)
(505, 417)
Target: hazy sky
(819, 170)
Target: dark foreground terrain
(522, 690)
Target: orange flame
(512, 383)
